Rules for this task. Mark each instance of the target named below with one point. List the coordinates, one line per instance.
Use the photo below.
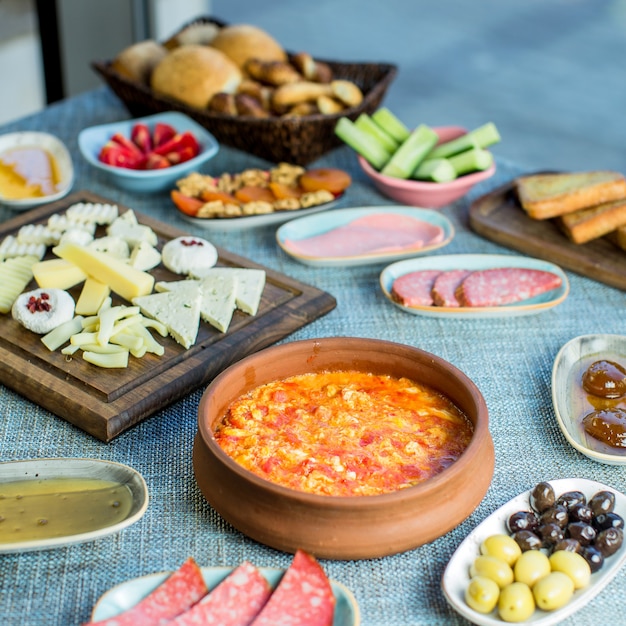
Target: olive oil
(48, 508)
(28, 172)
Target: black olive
(581, 513)
(527, 540)
(568, 544)
(609, 541)
(608, 520)
(582, 532)
(570, 498)
(542, 497)
(602, 502)
(522, 520)
(556, 514)
(593, 556)
(550, 534)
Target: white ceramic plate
(310, 226)
(456, 575)
(476, 262)
(569, 398)
(91, 140)
(38, 469)
(30, 139)
(124, 596)
(226, 224)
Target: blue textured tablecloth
(510, 359)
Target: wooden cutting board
(106, 402)
(498, 216)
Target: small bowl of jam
(35, 168)
(589, 396)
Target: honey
(28, 172)
(59, 507)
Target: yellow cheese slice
(57, 274)
(15, 274)
(91, 297)
(124, 280)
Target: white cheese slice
(133, 234)
(250, 285)
(144, 257)
(111, 245)
(178, 310)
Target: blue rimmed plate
(537, 304)
(125, 595)
(311, 226)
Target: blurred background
(549, 73)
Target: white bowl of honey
(35, 168)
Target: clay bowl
(336, 527)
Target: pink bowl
(424, 194)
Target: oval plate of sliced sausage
(364, 235)
(474, 285)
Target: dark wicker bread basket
(293, 140)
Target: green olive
(493, 568)
(572, 564)
(516, 603)
(531, 566)
(503, 547)
(482, 594)
(553, 591)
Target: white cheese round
(185, 255)
(42, 310)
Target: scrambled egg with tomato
(344, 433)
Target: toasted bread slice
(550, 195)
(587, 224)
(618, 237)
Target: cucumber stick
(476, 159)
(391, 124)
(366, 123)
(365, 144)
(435, 170)
(411, 152)
(480, 137)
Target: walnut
(286, 174)
(257, 208)
(287, 204)
(194, 184)
(254, 178)
(313, 198)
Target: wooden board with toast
(106, 402)
(500, 217)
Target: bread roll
(193, 74)
(241, 42)
(139, 60)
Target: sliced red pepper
(115, 154)
(140, 135)
(125, 142)
(178, 143)
(186, 204)
(162, 132)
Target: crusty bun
(198, 33)
(241, 42)
(139, 60)
(193, 74)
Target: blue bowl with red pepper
(148, 154)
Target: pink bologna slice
(174, 596)
(303, 596)
(236, 601)
(497, 286)
(445, 286)
(370, 234)
(415, 288)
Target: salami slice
(174, 596)
(493, 287)
(445, 286)
(303, 597)
(236, 601)
(375, 233)
(415, 288)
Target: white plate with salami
(124, 596)
(579, 412)
(364, 235)
(456, 576)
(474, 285)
